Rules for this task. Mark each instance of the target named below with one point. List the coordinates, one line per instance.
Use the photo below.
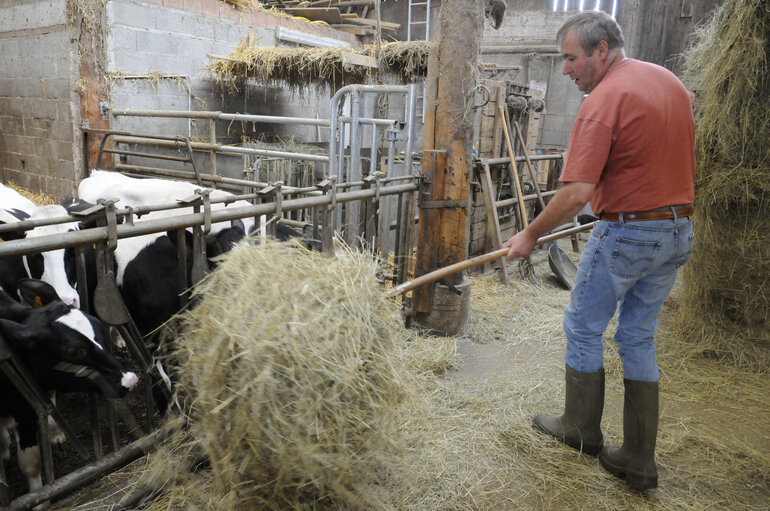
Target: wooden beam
(447, 147)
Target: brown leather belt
(652, 214)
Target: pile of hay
(291, 368)
(40, 199)
(728, 306)
(466, 441)
(304, 67)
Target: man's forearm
(567, 202)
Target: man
(631, 155)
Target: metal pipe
(203, 146)
(277, 154)
(350, 230)
(513, 200)
(410, 129)
(146, 155)
(218, 115)
(369, 120)
(532, 157)
(333, 113)
(272, 119)
(373, 152)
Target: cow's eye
(79, 353)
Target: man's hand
(520, 245)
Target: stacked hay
(40, 199)
(727, 287)
(303, 67)
(291, 367)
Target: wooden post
(444, 209)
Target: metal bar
(408, 157)
(277, 154)
(140, 228)
(369, 120)
(532, 157)
(350, 228)
(202, 146)
(192, 162)
(513, 200)
(146, 155)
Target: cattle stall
(107, 225)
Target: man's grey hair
(592, 27)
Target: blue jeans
(634, 264)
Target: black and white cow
(64, 350)
(56, 267)
(135, 192)
(152, 191)
(146, 267)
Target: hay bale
(293, 376)
(304, 67)
(727, 304)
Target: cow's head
(56, 267)
(63, 347)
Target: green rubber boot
(580, 425)
(634, 461)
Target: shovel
(474, 261)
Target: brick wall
(39, 139)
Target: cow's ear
(37, 293)
(19, 334)
(11, 309)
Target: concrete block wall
(39, 106)
(173, 38)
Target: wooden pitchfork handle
(491, 256)
(514, 173)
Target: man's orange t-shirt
(634, 137)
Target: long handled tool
(531, 169)
(525, 267)
(491, 256)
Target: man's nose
(565, 70)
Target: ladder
(412, 34)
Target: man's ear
(602, 50)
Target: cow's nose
(129, 380)
(72, 301)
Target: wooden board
(330, 15)
(490, 128)
(357, 60)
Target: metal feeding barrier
(104, 235)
